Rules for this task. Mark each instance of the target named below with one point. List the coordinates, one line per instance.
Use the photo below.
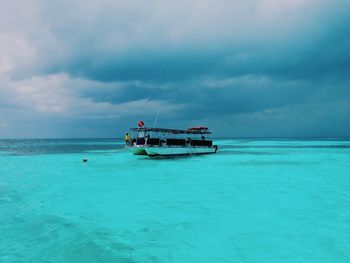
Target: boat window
(181, 142)
(153, 141)
(140, 141)
(201, 143)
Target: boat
(158, 142)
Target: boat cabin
(160, 137)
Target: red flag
(141, 124)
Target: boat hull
(138, 150)
(173, 151)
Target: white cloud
(15, 51)
(60, 94)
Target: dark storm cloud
(318, 47)
(165, 66)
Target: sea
(255, 201)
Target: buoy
(85, 160)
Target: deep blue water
(271, 200)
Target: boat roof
(195, 130)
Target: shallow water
(254, 201)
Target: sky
(254, 68)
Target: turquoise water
(254, 201)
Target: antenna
(155, 121)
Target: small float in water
(158, 142)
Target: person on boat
(127, 138)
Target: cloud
(44, 106)
(69, 64)
(166, 41)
